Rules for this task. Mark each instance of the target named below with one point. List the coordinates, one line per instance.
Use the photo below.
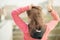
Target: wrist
(50, 10)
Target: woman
(35, 22)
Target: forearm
(54, 15)
(20, 10)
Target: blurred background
(10, 31)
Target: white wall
(25, 2)
(18, 2)
(6, 30)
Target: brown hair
(36, 18)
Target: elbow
(57, 19)
(13, 13)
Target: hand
(30, 7)
(49, 7)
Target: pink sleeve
(51, 25)
(15, 15)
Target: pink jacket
(24, 27)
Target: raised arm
(54, 15)
(51, 25)
(15, 15)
